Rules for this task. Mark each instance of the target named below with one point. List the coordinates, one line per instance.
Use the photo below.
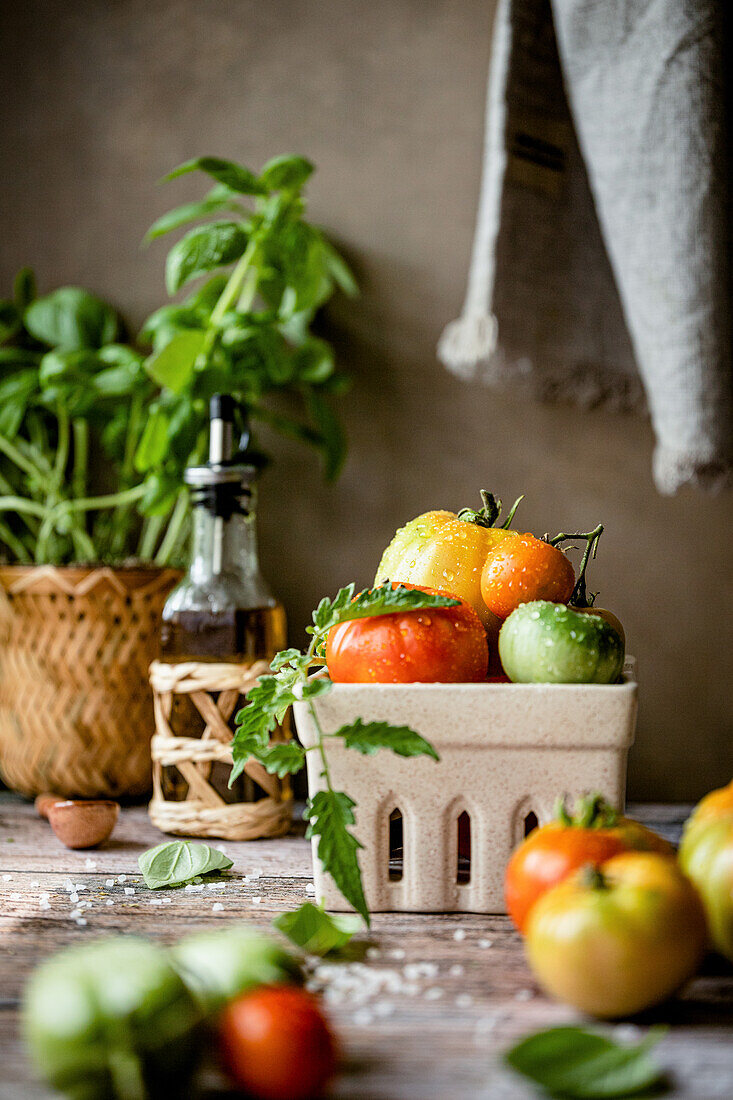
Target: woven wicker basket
(75, 706)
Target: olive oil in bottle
(222, 610)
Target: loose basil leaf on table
(578, 1064)
(176, 862)
(317, 932)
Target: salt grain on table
(90, 864)
(485, 943)
(398, 953)
(463, 1000)
(256, 901)
(122, 878)
(110, 902)
(217, 907)
(433, 994)
(109, 882)
(129, 890)
(459, 934)
(310, 888)
(456, 971)
(15, 896)
(191, 889)
(7, 878)
(34, 883)
(524, 995)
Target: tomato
(552, 852)
(608, 616)
(447, 551)
(549, 643)
(706, 855)
(614, 940)
(435, 645)
(522, 568)
(276, 1044)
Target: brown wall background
(99, 98)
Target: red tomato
(521, 569)
(276, 1044)
(554, 851)
(435, 645)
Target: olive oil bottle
(222, 610)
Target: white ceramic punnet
(506, 751)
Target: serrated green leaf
(317, 932)
(579, 1064)
(282, 759)
(189, 212)
(369, 737)
(329, 813)
(203, 249)
(383, 600)
(284, 657)
(232, 175)
(172, 366)
(176, 862)
(287, 171)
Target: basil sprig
(175, 862)
(329, 813)
(578, 1064)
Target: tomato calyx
(579, 596)
(590, 812)
(489, 514)
(593, 878)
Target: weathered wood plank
(423, 1016)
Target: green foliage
(583, 1065)
(329, 812)
(249, 332)
(175, 862)
(79, 407)
(317, 932)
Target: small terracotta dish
(80, 824)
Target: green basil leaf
(172, 366)
(14, 358)
(369, 737)
(25, 290)
(286, 172)
(329, 813)
(10, 320)
(282, 759)
(189, 212)
(314, 361)
(201, 250)
(317, 932)
(153, 442)
(579, 1064)
(70, 318)
(232, 175)
(175, 862)
(161, 493)
(59, 367)
(331, 432)
(339, 270)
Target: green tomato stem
(579, 596)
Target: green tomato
(549, 643)
(218, 966)
(112, 1019)
(706, 856)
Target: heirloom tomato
(549, 643)
(706, 855)
(616, 939)
(552, 852)
(276, 1044)
(432, 645)
(448, 551)
(523, 568)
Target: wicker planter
(76, 711)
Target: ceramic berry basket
(506, 752)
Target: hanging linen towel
(600, 271)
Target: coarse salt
(310, 888)
(463, 1000)
(156, 901)
(217, 907)
(35, 883)
(90, 864)
(44, 903)
(15, 896)
(109, 882)
(129, 890)
(75, 913)
(166, 901)
(456, 971)
(524, 995)
(256, 901)
(433, 994)
(74, 897)
(7, 878)
(398, 953)
(109, 902)
(81, 921)
(122, 878)
(373, 953)
(485, 943)
(459, 934)
(191, 889)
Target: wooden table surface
(424, 1016)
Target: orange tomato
(433, 645)
(522, 568)
(276, 1044)
(554, 851)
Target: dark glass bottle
(223, 609)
